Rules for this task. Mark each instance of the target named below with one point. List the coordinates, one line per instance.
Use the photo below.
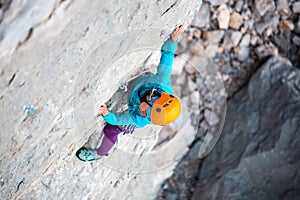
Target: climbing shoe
(86, 155)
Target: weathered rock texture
(67, 58)
(238, 50)
(258, 155)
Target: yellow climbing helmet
(165, 109)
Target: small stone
(283, 7)
(189, 38)
(195, 98)
(203, 17)
(189, 68)
(197, 34)
(232, 39)
(286, 25)
(212, 50)
(196, 48)
(183, 44)
(260, 50)
(296, 40)
(217, 2)
(264, 6)
(177, 90)
(166, 186)
(223, 16)
(200, 82)
(204, 126)
(298, 26)
(236, 64)
(243, 53)
(236, 49)
(246, 40)
(236, 21)
(227, 69)
(254, 40)
(231, 2)
(213, 36)
(248, 23)
(180, 80)
(269, 31)
(296, 7)
(236, 37)
(243, 30)
(192, 86)
(239, 5)
(191, 32)
(267, 21)
(264, 51)
(225, 77)
(202, 87)
(211, 117)
(220, 49)
(275, 51)
(281, 41)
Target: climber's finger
(181, 28)
(175, 29)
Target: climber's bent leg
(111, 133)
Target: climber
(150, 101)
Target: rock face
(66, 58)
(258, 154)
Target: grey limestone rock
(264, 6)
(223, 16)
(67, 58)
(257, 156)
(213, 36)
(203, 18)
(236, 20)
(296, 7)
(232, 39)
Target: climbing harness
(127, 129)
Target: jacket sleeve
(125, 118)
(122, 118)
(166, 60)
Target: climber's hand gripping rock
(176, 33)
(103, 110)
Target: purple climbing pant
(111, 133)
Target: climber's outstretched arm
(128, 117)
(167, 55)
(122, 118)
(166, 60)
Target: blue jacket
(162, 80)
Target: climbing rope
(124, 85)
